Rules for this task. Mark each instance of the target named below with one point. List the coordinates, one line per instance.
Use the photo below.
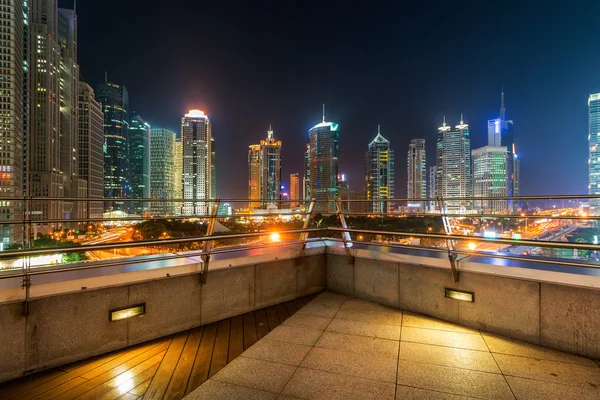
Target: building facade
(379, 175)
(198, 160)
(594, 151)
(254, 175)
(306, 177)
(139, 162)
(453, 160)
(432, 187)
(417, 174)
(178, 175)
(489, 179)
(90, 148)
(295, 190)
(264, 169)
(323, 165)
(162, 170)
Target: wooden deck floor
(165, 368)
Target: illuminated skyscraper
(139, 162)
(306, 177)
(432, 186)
(323, 164)
(90, 150)
(294, 190)
(379, 174)
(198, 160)
(417, 173)
(264, 163)
(177, 174)
(162, 170)
(594, 150)
(453, 159)
(14, 106)
(489, 178)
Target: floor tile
(216, 390)
(348, 363)
(530, 389)
(321, 385)
(280, 352)
(449, 356)
(385, 317)
(356, 304)
(549, 371)
(453, 380)
(358, 344)
(412, 393)
(324, 308)
(257, 374)
(330, 296)
(422, 321)
(500, 344)
(307, 321)
(294, 334)
(443, 338)
(364, 328)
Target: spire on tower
(270, 133)
(461, 118)
(378, 129)
(323, 112)
(502, 109)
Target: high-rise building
(432, 186)
(162, 170)
(594, 151)
(417, 174)
(453, 159)
(379, 174)
(115, 105)
(198, 160)
(489, 178)
(178, 175)
(90, 148)
(323, 164)
(306, 177)
(139, 162)
(294, 190)
(264, 169)
(14, 106)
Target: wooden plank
(219, 357)
(28, 382)
(139, 390)
(282, 312)
(290, 307)
(57, 391)
(181, 376)
(128, 396)
(203, 358)
(249, 330)
(272, 317)
(236, 338)
(262, 324)
(157, 353)
(130, 384)
(161, 379)
(299, 304)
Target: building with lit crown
(264, 171)
(489, 179)
(379, 175)
(594, 151)
(323, 165)
(139, 162)
(198, 159)
(417, 174)
(162, 170)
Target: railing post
(345, 235)
(449, 243)
(205, 256)
(304, 235)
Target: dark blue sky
(252, 64)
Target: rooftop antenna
(461, 118)
(444, 124)
(270, 133)
(378, 129)
(105, 76)
(323, 112)
(502, 110)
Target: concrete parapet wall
(560, 316)
(68, 327)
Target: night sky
(252, 64)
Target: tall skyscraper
(139, 161)
(90, 149)
(489, 178)
(323, 164)
(178, 174)
(417, 174)
(306, 177)
(162, 170)
(294, 190)
(453, 159)
(14, 106)
(379, 174)
(264, 163)
(115, 105)
(594, 151)
(432, 186)
(198, 160)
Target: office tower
(453, 159)
(14, 106)
(306, 177)
(432, 187)
(417, 174)
(594, 151)
(90, 148)
(254, 175)
(115, 106)
(489, 178)
(379, 174)
(264, 169)
(198, 159)
(323, 164)
(178, 175)
(213, 168)
(139, 162)
(162, 170)
(294, 190)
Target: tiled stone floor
(341, 348)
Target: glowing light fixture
(127, 312)
(472, 246)
(459, 295)
(275, 237)
(195, 114)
